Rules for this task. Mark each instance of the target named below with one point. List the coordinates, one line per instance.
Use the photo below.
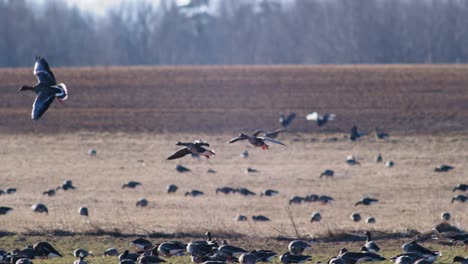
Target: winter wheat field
(134, 116)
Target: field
(134, 116)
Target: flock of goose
(211, 251)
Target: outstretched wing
(240, 137)
(43, 73)
(179, 154)
(313, 116)
(272, 140)
(41, 104)
(258, 132)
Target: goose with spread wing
(46, 89)
(319, 119)
(273, 134)
(196, 147)
(256, 141)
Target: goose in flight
(320, 120)
(46, 89)
(286, 121)
(273, 134)
(355, 134)
(256, 141)
(197, 147)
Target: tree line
(236, 32)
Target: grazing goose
(324, 199)
(127, 255)
(380, 135)
(357, 257)
(404, 259)
(149, 257)
(44, 249)
(171, 188)
(460, 259)
(83, 211)
(50, 192)
(286, 121)
(460, 198)
(111, 252)
(273, 134)
(336, 260)
(131, 184)
(445, 216)
(414, 247)
(351, 160)
(24, 261)
(356, 217)
(251, 170)
(171, 248)
(197, 147)
(290, 258)
(46, 89)
(244, 191)
(370, 220)
(296, 247)
(327, 173)
(320, 120)
(355, 134)
(240, 218)
(5, 210)
(248, 258)
(269, 192)
(296, 200)
(444, 168)
(142, 244)
(315, 217)
(66, 185)
(40, 208)
(142, 203)
(461, 238)
(211, 171)
(10, 190)
(371, 245)
(182, 169)
(229, 251)
(366, 201)
(461, 187)
(264, 255)
(256, 141)
(194, 193)
(225, 190)
(260, 218)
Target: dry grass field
(134, 116)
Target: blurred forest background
(236, 32)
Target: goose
(444, 168)
(142, 203)
(150, 257)
(297, 247)
(256, 141)
(240, 218)
(80, 253)
(460, 198)
(197, 147)
(319, 119)
(355, 134)
(260, 218)
(194, 193)
(10, 190)
(171, 248)
(46, 89)
(378, 159)
(357, 257)
(211, 171)
(380, 135)
(286, 121)
(463, 238)
(336, 260)
(370, 220)
(172, 188)
(371, 245)
(273, 134)
(389, 164)
(269, 192)
(290, 258)
(351, 160)
(50, 192)
(414, 247)
(264, 255)
(296, 200)
(366, 201)
(44, 249)
(244, 191)
(111, 252)
(460, 260)
(460, 187)
(24, 261)
(356, 217)
(5, 210)
(403, 260)
(127, 255)
(244, 154)
(142, 244)
(251, 170)
(225, 190)
(445, 216)
(182, 169)
(131, 184)
(92, 152)
(324, 199)
(327, 173)
(40, 208)
(66, 185)
(311, 198)
(83, 211)
(248, 258)
(229, 251)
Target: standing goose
(46, 250)
(256, 141)
(355, 134)
(320, 120)
(196, 147)
(381, 135)
(5, 210)
(371, 245)
(46, 89)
